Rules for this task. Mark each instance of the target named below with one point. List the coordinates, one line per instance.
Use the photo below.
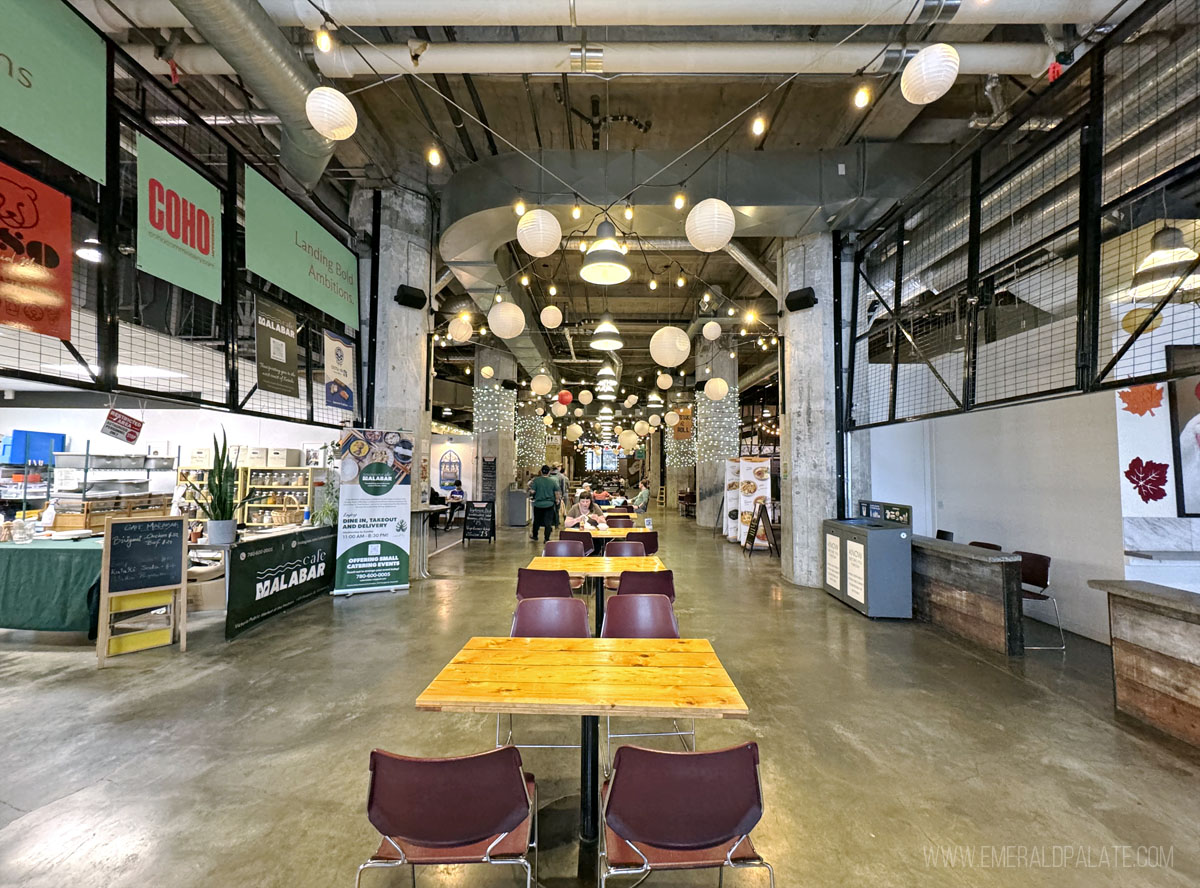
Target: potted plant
(218, 499)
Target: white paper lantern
(672, 418)
(551, 316)
(331, 113)
(655, 419)
(670, 346)
(716, 388)
(506, 319)
(548, 420)
(487, 372)
(642, 428)
(460, 329)
(558, 409)
(541, 411)
(618, 429)
(539, 233)
(585, 397)
(541, 384)
(711, 331)
(574, 432)
(710, 225)
(628, 440)
(630, 401)
(664, 380)
(929, 74)
(579, 411)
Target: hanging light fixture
(606, 336)
(331, 113)
(1169, 259)
(606, 370)
(551, 316)
(539, 233)
(710, 225)
(604, 264)
(929, 74)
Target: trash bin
(868, 565)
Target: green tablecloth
(44, 584)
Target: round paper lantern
(579, 411)
(631, 400)
(710, 224)
(664, 380)
(670, 346)
(558, 409)
(711, 331)
(655, 419)
(331, 113)
(672, 418)
(506, 319)
(618, 429)
(460, 329)
(539, 233)
(574, 432)
(541, 384)
(585, 397)
(642, 428)
(487, 372)
(628, 440)
(551, 316)
(716, 388)
(548, 420)
(929, 74)
(564, 397)
(541, 411)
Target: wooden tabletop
(612, 532)
(592, 566)
(652, 678)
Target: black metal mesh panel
(930, 364)
(935, 241)
(872, 362)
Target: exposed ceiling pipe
(765, 370)
(252, 44)
(590, 13)
(739, 255)
(442, 282)
(421, 57)
(443, 88)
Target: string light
(759, 126)
(576, 211)
(862, 96)
(679, 454)
(653, 284)
(628, 212)
(751, 317)
(680, 201)
(494, 409)
(519, 207)
(553, 291)
(718, 427)
(731, 311)
(680, 281)
(531, 441)
(583, 246)
(434, 156)
(322, 40)
(524, 280)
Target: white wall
(464, 447)
(1037, 477)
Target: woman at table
(602, 496)
(585, 514)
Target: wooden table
(597, 569)
(588, 677)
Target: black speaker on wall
(805, 297)
(410, 297)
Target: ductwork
(754, 376)
(420, 57)
(251, 44)
(591, 13)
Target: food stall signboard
(275, 573)
(275, 348)
(479, 520)
(339, 371)
(374, 512)
(35, 255)
(887, 511)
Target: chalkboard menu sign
(479, 521)
(146, 554)
(489, 479)
(887, 511)
(760, 518)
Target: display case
(88, 488)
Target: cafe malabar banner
(272, 574)
(36, 256)
(275, 348)
(374, 511)
(52, 82)
(179, 222)
(290, 249)
(339, 371)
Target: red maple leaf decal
(1142, 399)
(1148, 478)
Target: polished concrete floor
(892, 755)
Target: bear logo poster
(35, 256)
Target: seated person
(455, 498)
(601, 496)
(620, 499)
(585, 514)
(642, 500)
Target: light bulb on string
(519, 207)
(680, 281)
(759, 125)
(862, 96)
(524, 280)
(576, 211)
(323, 40)
(628, 212)
(680, 201)
(653, 284)
(731, 311)
(433, 156)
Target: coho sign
(181, 219)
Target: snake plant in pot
(218, 498)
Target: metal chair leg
(1062, 639)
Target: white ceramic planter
(222, 533)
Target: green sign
(179, 222)
(270, 575)
(275, 348)
(289, 248)
(52, 82)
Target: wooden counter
(970, 592)
(1156, 654)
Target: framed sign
(275, 348)
(479, 521)
(36, 255)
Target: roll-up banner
(755, 489)
(339, 371)
(374, 511)
(733, 499)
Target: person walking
(558, 475)
(543, 490)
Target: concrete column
(496, 437)
(807, 462)
(716, 427)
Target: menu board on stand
(479, 521)
(488, 486)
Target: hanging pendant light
(1170, 258)
(607, 371)
(604, 263)
(606, 336)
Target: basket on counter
(290, 513)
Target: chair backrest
(550, 618)
(563, 549)
(648, 539)
(983, 545)
(617, 521)
(624, 549)
(581, 536)
(648, 582)
(684, 800)
(542, 584)
(639, 616)
(947, 535)
(1035, 569)
(447, 802)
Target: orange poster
(35, 255)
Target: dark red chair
(639, 616)
(1035, 580)
(648, 539)
(437, 812)
(618, 521)
(561, 548)
(646, 582)
(982, 545)
(582, 536)
(550, 618)
(621, 549)
(542, 584)
(681, 810)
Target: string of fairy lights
(680, 453)
(718, 427)
(531, 441)
(494, 408)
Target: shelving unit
(198, 475)
(274, 482)
(17, 486)
(83, 502)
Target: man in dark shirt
(543, 490)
